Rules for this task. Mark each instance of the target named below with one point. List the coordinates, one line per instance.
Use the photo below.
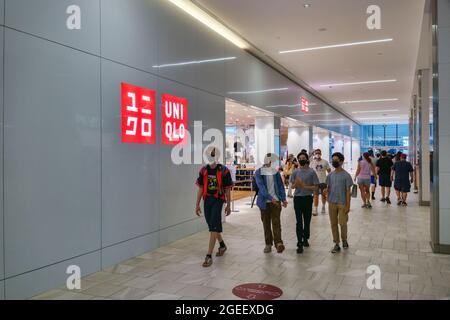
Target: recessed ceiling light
(338, 45)
(378, 118)
(368, 101)
(357, 83)
(307, 5)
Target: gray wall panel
(133, 41)
(47, 19)
(36, 282)
(2, 273)
(178, 231)
(177, 189)
(2, 290)
(130, 192)
(129, 249)
(177, 43)
(2, 12)
(52, 153)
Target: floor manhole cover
(257, 291)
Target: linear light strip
(337, 45)
(375, 111)
(357, 83)
(210, 22)
(258, 91)
(368, 101)
(194, 62)
(383, 118)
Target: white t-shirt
(320, 167)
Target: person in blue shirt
(271, 197)
(402, 175)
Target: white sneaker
(315, 211)
(323, 210)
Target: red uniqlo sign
(138, 115)
(305, 105)
(174, 119)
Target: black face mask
(303, 162)
(336, 164)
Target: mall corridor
(395, 239)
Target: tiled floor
(395, 239)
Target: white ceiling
(274, 26)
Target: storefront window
(392, 138)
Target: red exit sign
(305, 105)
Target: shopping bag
(354, 191)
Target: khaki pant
(338, 216)
(270, 218)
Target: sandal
(208, 262)
(221, 251)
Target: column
(423, 134)
(348, 154)
(298, 139)
(267, 137)
(440, 190)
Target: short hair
(318, 150)
(370, 152)
(384, 153)
(339, 155)
(303, 154)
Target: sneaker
(208, 262)
(364, 206)
(369, 206)
(399, 202)
(345, 244)
(280, 248)
(267, 249)
(221, 251)
(305, 243)
(383, 199)
(388, 201)
(315, 211)
(300, 250)
(323, 210)
(404, 204)
(336, 248)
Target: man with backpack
(214, 184)
(271, 197)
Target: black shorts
(322, 186)
(402, 186)
(385, 180)
(213, 213)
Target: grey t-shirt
(338, 184)
(309, 178)
(271, 187)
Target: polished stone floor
(395, 239)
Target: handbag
(354, 191)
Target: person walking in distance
(321, 167)
(384, 167)
(373, 179)
(271, 197)
(287, 172)
(403, 177)
(363, 173)
(214, 184)
(306, 183)
(339, 184)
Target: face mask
(303, 162)
(336, 164)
